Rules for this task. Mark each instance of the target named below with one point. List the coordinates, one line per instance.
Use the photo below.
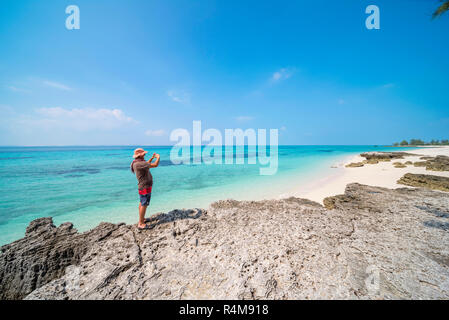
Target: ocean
(88, 185)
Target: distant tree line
(419, 142)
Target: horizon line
(166, 145)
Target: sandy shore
(383, 174)
(270, 249)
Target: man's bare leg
(142, 210)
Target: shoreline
(200, 186)
(382, 174)
(272, 249)
(289, 248)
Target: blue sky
(138, 69)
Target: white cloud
(281, 74)
(179, 96)
(388, 85)
(155, 133)
(81, 119)
(283, 128)
(244, 118)
(56, 85)
(16, 89)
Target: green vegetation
(441, 9)
(419, 142)
(416, 142)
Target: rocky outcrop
(425, 181)
(399, 165)
(420, 164)
(43, 254)
(373, 243)
(439, 163)
(355, 165)
(385, 156)
(376, 157)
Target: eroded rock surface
(355, 165)
(425, 181)
(385, 156)
(373, 243)
(43, 254)
(376, 157)
(438, 163)
(399, 165)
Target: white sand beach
(383, 174)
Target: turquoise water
(87, 185)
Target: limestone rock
(43, 254)
(420, 164)
(335, 201)
(354, 165)
(438, 163)
(371, 161)
(426, 181)
(385, 156)
(273, 249)
(399, 165)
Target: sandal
(147, 227)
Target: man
(145, 182)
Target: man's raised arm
(155, 163)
